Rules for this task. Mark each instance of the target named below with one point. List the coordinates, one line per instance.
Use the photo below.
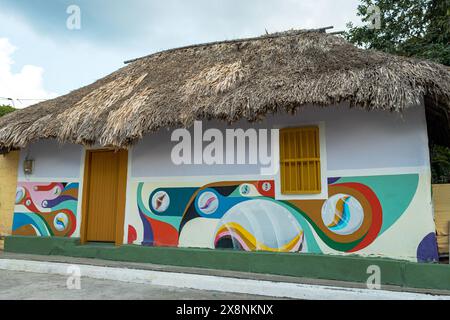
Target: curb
(213, 283)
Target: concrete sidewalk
(16, 285)
(210, 280)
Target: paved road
(23, 285)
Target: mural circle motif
(342, 214)
(61, 221)
(20, 194)
(208, 202)
(160, 201)
(266, 186)
(57, 190)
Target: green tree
(5, 110)
(412, 28)
(440, 164)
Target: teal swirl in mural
(244, 215)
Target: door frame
(121, 194)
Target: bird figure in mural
(208, 203)
(342, 213)
(159, 201)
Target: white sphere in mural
(208, 202)
(61, 221)
(160, 201)
(260, 225)
(342, 214)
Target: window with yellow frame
(300, 161)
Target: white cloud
(26, 84)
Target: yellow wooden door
(102, 202)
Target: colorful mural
(45, 209)
(246, 215)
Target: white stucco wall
(354, 144)
(55, 163)
(52, 162)
(380, 152)
(355, 140)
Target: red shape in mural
(266, 188)
(132, 234)
(163, 233)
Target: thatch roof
(231, 80)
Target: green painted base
(343, 268)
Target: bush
(5, 110)
(440, 164)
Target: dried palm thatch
(231, 80)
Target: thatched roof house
(338, 179)
(231, 80)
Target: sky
(48, 49)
